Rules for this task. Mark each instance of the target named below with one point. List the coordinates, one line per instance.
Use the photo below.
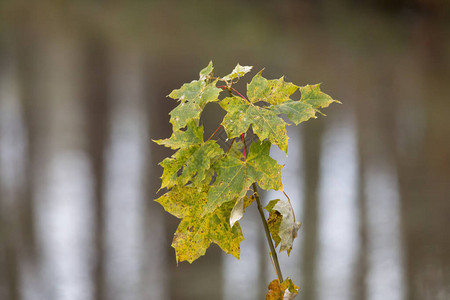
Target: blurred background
(83, 88)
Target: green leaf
(312, 95)
(282, 224)
(195, 161)
(199, 162)
(193, 97)
(265, 120)
(196, 232)
(271, 91)
(287, 290)
(232, 182)
(193, 135)
(194, 157)
(265, 123)
(296, 111)
(172, 165)
(263, 168)
(189, 92)
(227, 238)
(181, 115)
(237, 72)
(235, 176)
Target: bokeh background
(83, 88)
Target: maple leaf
(193, 135)
(194, 156)
(296, 111)
(197, 231)
(237, 72)
(287, 290)
(265, 123)
(282, 224)
(312, 95)
(235, 176)
(184, 113)
(193, 97)
(265, 120)
(271, 91)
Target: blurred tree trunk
(312, 140)
(9, 271)
(25, 43)
(203, 278)
(363, 142)
(29, 104)
(424, 172)
(9, 285)
(17, 218)
(97, 109)
(9, 260)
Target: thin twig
(230, 146)
(229, 89)
(234, 90)
(268, 237)
(273, 264)
(244, 147)
(214, 132)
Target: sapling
(209, 187)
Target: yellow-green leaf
(181, 115)
(265, 120)
(312, 95)
(193, 97)
(227, 238)
(271, 91)
(193, 135)
(196, 231)
(231, 184)
(296, 111)
(193, 159)
(235, 176)
(180, 201)
(264, 169)
(265, 123)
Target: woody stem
(273, 253)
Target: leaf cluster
(207, 187)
